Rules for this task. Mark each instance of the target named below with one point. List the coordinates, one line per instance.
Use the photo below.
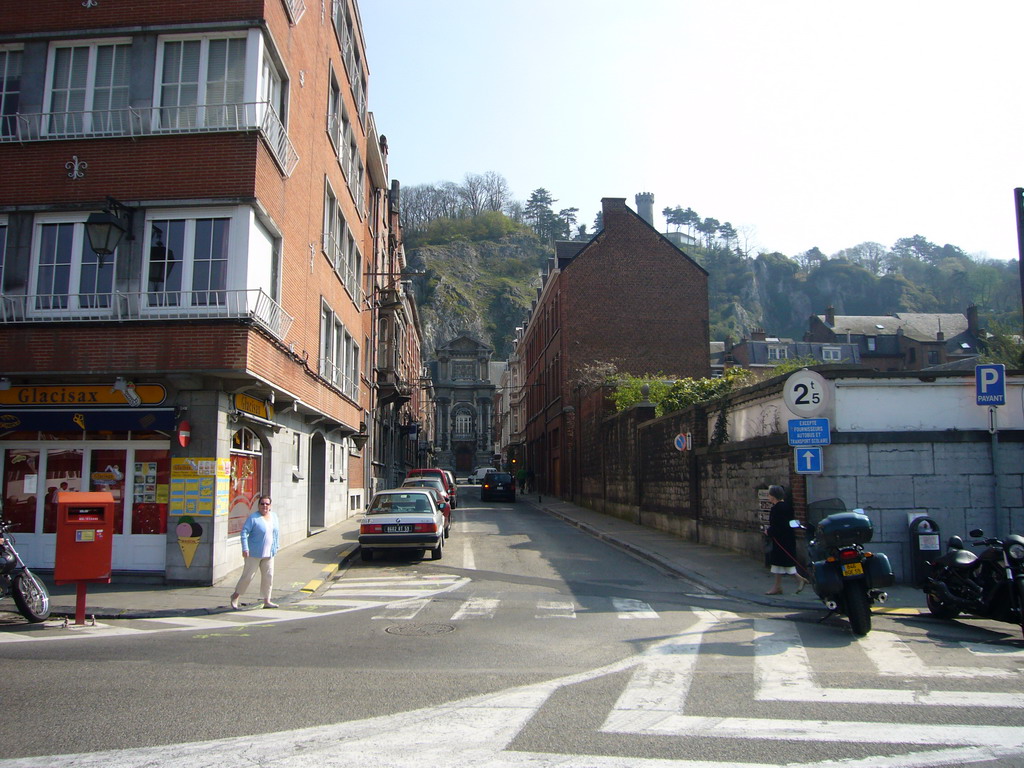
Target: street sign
(808, 460)
(809, 432)
(990, 384)
(806, 393)
(683, 442)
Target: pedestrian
(782, 536)
(260, 541)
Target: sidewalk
(300, 569)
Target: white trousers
(266, 567)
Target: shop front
(88, 438)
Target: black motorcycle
(989, 585)
(847, 577)
(17, 581)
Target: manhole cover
(420, 630)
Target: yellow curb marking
(312, 586)
(900, 611)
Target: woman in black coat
(782, 557)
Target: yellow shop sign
(84, 396)
(254, 407)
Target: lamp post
(106, 229)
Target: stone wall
(632, 469)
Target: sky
(804, 123)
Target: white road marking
(476, 608)
(784, 674)
(633, 609)
(661, 682)
(404, 609)
(468, 559)
(555, 609)
(478, 730)
(893, 657)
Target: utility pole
(1018, 205)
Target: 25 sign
(806, 393)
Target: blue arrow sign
(808, 460)
(809, 432)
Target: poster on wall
(194, 485)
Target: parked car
(441, 496)
(479, 473)
(455, 488)
(498, 485)
(402, 518)
(449, 484)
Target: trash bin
(925, 546)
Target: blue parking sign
(990, 384)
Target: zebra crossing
(407, 597)
(784, 664)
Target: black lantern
(106, 229)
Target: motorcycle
(989, 585)
(17, 581)
(847, 577)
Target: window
(201, 82)
(88, 88)
(296, 451)
(67, 273)
(831, 354)
(933, 357)
(3, 251)
(463, 423)
(334, 229)
(335, 114)
(10, 90)
(187, 261)
(872, 343)
(776, 353)
(332, 346)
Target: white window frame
(10, 100)
(336, 114)
(250, 81)
(235, 256)
(872, 343)
(74, 293)
(831, 354)
(87, 124)
(3, 250)
(776, 352)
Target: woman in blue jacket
(260, 542)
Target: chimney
(612, 206)
(645, 206)
(757, 334)
(972, 319)
(830, 315)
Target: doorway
(317, 482)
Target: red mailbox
(85, 537)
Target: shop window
(246, 477)
(21, 489)
(107, 473)
(151, 490)
(64, 473)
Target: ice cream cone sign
(189, 533)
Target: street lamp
(106, 229)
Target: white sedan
(402, 518)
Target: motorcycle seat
(960, 558)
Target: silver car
(403, 518)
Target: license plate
(397, 529)
(853, 569)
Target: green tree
(669, 396)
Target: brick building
(231, 143)
(629, 298)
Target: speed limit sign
(806, 393)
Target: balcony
(391, 387)
(133, 122)
(251, 305)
